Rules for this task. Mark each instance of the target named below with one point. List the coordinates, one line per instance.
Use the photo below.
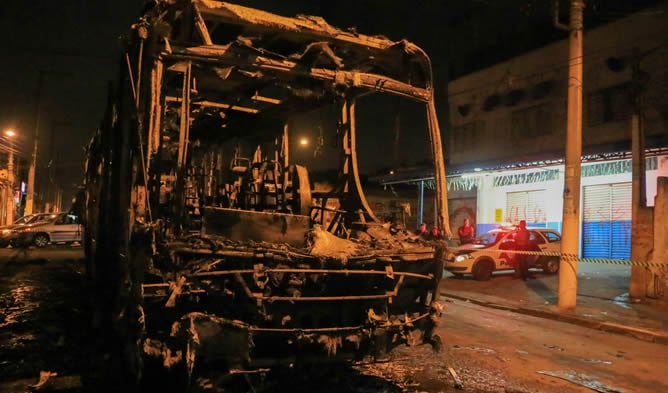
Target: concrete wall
(383, 202)
(658, 280)
(652, 177)
(461, 205)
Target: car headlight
(6, 231)
(462, 258)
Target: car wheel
(40, 240)
(482, 271)
(551, 266)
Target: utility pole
(642, 228)
(9, 218)
(10, 194)
(571, 211)
(54, 188)
(30, 189)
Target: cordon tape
(575, 258)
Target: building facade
(516, 111)
(508, 124)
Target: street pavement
(500, 351)
(41, 319)
(602, 300)
(490, 348)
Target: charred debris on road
(205, 242)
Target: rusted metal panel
(242, 225)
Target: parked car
(8, 233)
(486, 254)
(58, 228)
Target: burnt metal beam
(223, 55)
(212, 104)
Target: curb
(610, 327)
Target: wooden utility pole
(10, 189)
(11, 205)
(571, 210)
(30, 190)
(641, 216)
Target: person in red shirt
(466, 232)
(422, 230)
(435, 234)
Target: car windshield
(488, 239)
(34, 218)
(31, 219)
(24, 220)
(41, 217)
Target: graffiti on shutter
(526, 205)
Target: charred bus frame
(198, 253)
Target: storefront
(504, 196)
(535, 195)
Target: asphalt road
(500, 349)
(41, 325)
(41, 317)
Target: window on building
(609, 104)
(465, 136)
(525, 205)
(531, 122)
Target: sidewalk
(602, 301)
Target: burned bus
(207, 242)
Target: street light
(303, 141)
(9, 218)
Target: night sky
(74, 42)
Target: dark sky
(75, 43)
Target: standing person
(435, 234)
(522, 243)
(466, 232)
(422, 230)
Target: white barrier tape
(574, 257)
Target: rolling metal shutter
(596, 234)
(535, 207)
(621, 221)
(515, 206)
(606, 221)
(525, 205)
